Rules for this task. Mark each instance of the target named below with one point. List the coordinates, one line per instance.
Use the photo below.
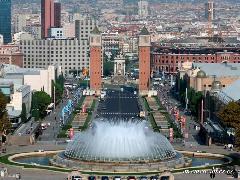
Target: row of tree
(230, 116)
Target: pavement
(122, 104)
(169, 102)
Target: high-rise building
(210, 13)
(57, 14)
(144, 61)
(143, 8)
(50, 16)
(84, 27)
(5, 20)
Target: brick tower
(95, 60)
(144, 61)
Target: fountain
(119, 146)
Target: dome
(122, 141)
(216, 85)
(201, 74)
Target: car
(153, 178)
(91, 178)
(76, 178)
(143, 178)
(104, 178)
(117, 178)
(131, 178)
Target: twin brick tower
(96, 62)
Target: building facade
(142, 8)
(169, 59)
(11, 54)
(50, 16)
(144, 61)
(110, 42)
(70, 54)
(84, 27)
(5, 20)
(57, 14)
(209, 76)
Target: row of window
(66, 68)
(53, 48)
(211, 85)
(166, 62)
(198, 57)
(53, 42)
(61, 64)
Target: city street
(122, 104)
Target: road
(122, 104)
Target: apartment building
(110, 42)
(70, 54)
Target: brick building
(169, 59)
(11, 54)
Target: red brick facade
(144, 68)
(10, 54)
(168, 62)
(95, 68)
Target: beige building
(209, 76)
(70, 54)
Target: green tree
(59, 87)
(108, 68)
(5, 124)
(24, 113)
(40, 102)
(230, 116)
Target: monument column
(95, 60)
(144, 61)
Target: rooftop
(219, 69)
(144, 31)
(232, 91)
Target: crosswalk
(117, 113)
(121, 97)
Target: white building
(142, 8)
(21, 22)
(70, 54)
(37, 79)
(16, 97)
(56, 33)
(110, 42)
(1, 39)
(17, 37)
(69, 30)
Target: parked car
(131, 178)
(117, 178)
(91, 178)
(105, 178)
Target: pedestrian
(55, 118)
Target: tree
(230, 116)
(108, 68)
(5, 124)
(59, 87)
(24, 113)
(40, 102)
